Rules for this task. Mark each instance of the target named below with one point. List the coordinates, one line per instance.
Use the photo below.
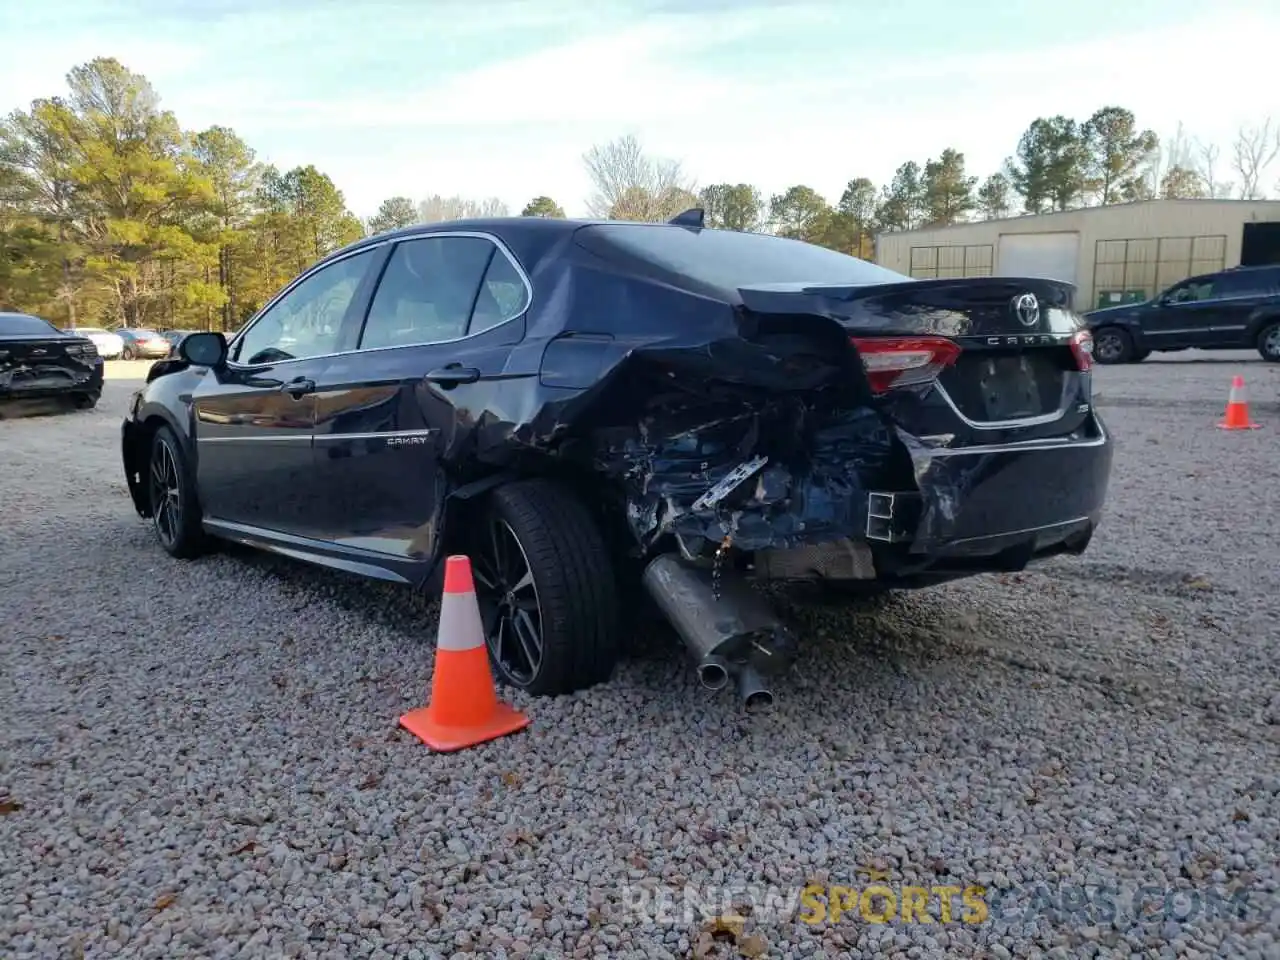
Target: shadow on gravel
(1251, 358)
(23, 409)
(1177, 583)
(881, 627)
(1255, 406)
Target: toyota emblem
(1027, 309)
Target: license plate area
(996, 387)
(1009, 389)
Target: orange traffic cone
(464, 708)
(1237, 417)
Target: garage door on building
(1052, 255)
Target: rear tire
(1112, 345)
(87, 401)
(1269, 342)
(547, 589)
(171, 490)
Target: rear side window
(724, 258)
(503, 295)
(1246, 284)
(22, 325)
(427, 291)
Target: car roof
(1256, 268)
(505, 228)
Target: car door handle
(452, 375)
(299, 387)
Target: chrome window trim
(318, 437)
(477, 234)
(1064, 404)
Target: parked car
(38, 360)
(596, 412)
(1236, 309)
(143, 344)
(109, 345)
(174, 337)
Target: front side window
(430, 288)
(1192, 291)
(306, 321)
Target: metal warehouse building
(1113, 254)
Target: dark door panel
(253, 438)
(255, 417)
(384, 433)
(1185, 315)
(389, 417)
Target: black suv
(1236, 309)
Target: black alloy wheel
(1269, 343)
(509, 607)
(1112, 345)
(547, 589)
(171, 493)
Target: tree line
(112, 213)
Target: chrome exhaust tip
(752, 690)
(713, 673)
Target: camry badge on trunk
(1027, 309)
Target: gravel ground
(202, 759)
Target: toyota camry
(602, 412)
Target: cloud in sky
(502, 98)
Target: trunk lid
(975, 359)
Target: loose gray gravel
(202, 759)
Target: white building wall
(1143, 246)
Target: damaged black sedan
(596, 411)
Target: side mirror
(203, 349)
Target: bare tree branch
(438, 209)
(1207, 167)
(631, 185)
(1252, 153)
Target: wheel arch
(463, 503)
(138, 434)
(1260, 321)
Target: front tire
(171, 488)
(547, 590)
(1112, 345)
(1269, 343)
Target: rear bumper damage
(991, 508)
(789, 490)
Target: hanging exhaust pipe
(723, 629)
(713, 673)
(752, 690)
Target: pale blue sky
(501, 97)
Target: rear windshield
(724, 258)
(21, 325)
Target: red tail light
(1082, 349)
(903, 361)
